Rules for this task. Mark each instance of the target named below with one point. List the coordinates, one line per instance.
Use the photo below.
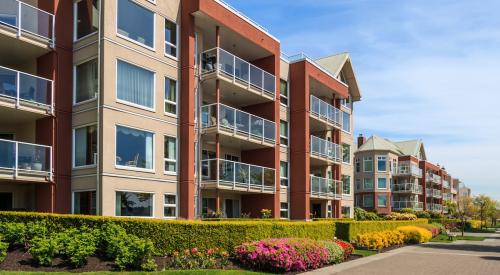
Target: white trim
(132, 104)
(139, 178)
(73, 156)
(176, 205)
(138, 114)
(122, 167)
(130, 39)
(75, 25)
(96, 93)
(138, 192)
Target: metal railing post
(217, 173)
(51, 175)
(234, 175)
(19, 32)
(18, 88)
(16, 155)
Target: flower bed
(346, 247)
(414, 234)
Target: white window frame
(378, 178)
(124, 102)
(349, 146)
(96, 94)
(171, 160)
(80, 191)
(287, 209)
(287, 133)
(382, 158)
(75, 25)
(366, 159)
(346, 102)
(130, 39)
(153, 208)
(350, 191)
(287, 174)
(73, 164)
(176, 57)
(288, 92)
(379, 205)
(122, 167)
(171, 102)
(171, 205)
(364, 184)
(350, 127)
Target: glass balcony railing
(238, 175)
(433, 178)
(407, 204)
(233, 120)
(446, 184)
(325, 149)
(435, 193)
(325, 187)
(408, 170)
(447, 196)
(25, 158)
(27, 19)
(221, 61)
(25, 88)
(326, 112)
(407, 188)
(435, 207)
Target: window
(170, 154)
(87, 18)
(358, 165)
(368, 184)
(382, 183)
(382, 201)
(358, 185)
(170, 96)
(170, 206)
(134, 148)
(346, 153)
(381, 164)
(346, 102)
(283, 92)
(284, 133)
(346, 185)
(135, 85)
(346, 122)
(368, 164)
(85, 146)
(231, 157)
(357, 200)
(170, 38)
(131, 204)
(329, 211)
(368, 200)
(142, 28)
(283, 173)
(208, 207)
(84, 203)
(284, 210)
(346, 211)
(85, 81)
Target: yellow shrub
(474, 224)
(413, 234)
(379, 240)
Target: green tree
(485, 205)
(452, 207)
(465, 209)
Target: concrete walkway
(459, 257)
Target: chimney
(361, 140)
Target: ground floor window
(368, 200)
(84, 202)
(170, 206)
(381, 200)
(284, 210)
(346, 211)
(131, 204)
(5, 201)
(208, 207)
(330, 211)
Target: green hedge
(348, 230)
(333, 219)
(169, 236)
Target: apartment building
(188, 110)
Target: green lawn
(364, 253)
(444, 238)
(169, 272)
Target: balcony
(408, 204)
(237, 128)
(433, 178)
(25, 92)
(434, 193)
(25, 161)
(435, 207)
(447, 196)
(322, 112)
(446, 184)
(407, 171)
(243, 83)
(237, 176)
(407, 188)
(325, 188)
(324, 152)
(26, 31)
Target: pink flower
(194, 250)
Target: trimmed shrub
(198, 259)
(3, 249)
(407, 210)
(335, 252)
(472, 224)
(169, 236)
(43, 250)
(435, 230)
(414, 234)
(282, 255)
(379, 240)
(75, 245)
(362, 215)
(346, 247)
(423, 214)
(348, 230)
(400, 217)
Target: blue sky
(427, 69)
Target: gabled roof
(411, 148)
(341, 63)
(375, 143)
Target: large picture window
(85, 81)
(85, 143)
(134, 148)
(170, 96)
(170, 38)
(135, 85)
(131, 204)
(87, 17)
(136, 23)
(170, 155)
